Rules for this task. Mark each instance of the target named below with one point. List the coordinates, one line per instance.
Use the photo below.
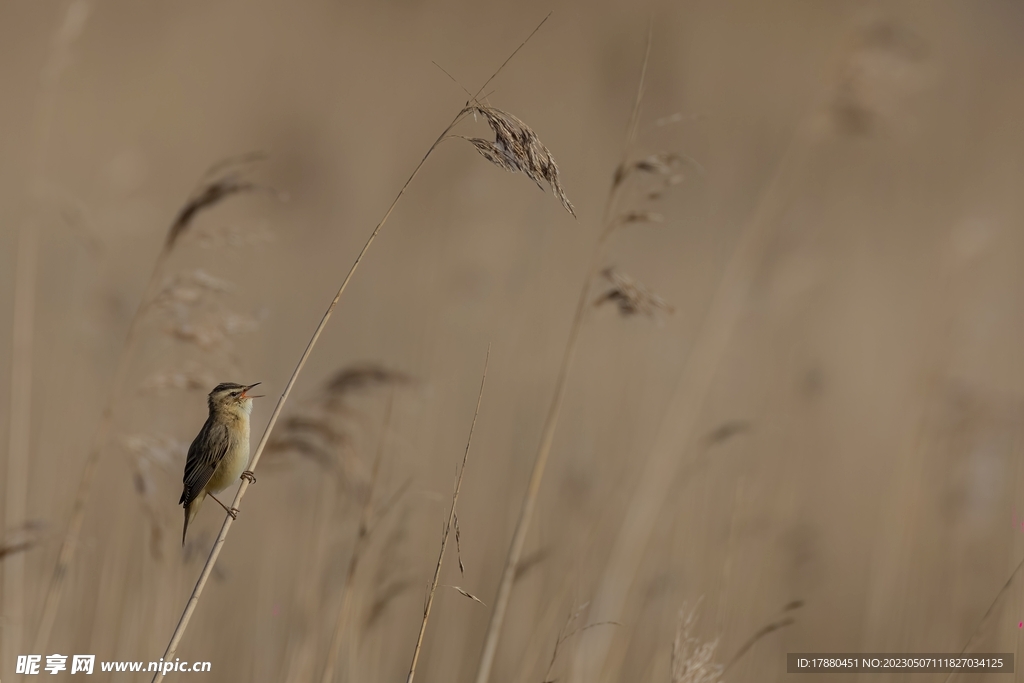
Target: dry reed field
(742, 378)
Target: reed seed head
(631, 296)
(693, 661)
(517, 149)
(224, 179)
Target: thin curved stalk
(447, 527)
(515, 551)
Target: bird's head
(230, 396)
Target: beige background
(876, 360)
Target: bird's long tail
(191, 510)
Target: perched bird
(220, 453)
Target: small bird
(220, 453)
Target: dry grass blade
(458, 548)
(516, 148)
(758, 635)
(988, 612)
(447, 529)
(467, 594)
(632, 297)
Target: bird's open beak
(245, 392)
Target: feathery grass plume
(659, 164)
(665, 167)
(693, 660)
(191, 300)
(215, 329)
(223, 180)
(516, 148)
(320, 429)
(357, 377)
(188, 288)
(188, 378)
(631, 296)
(186, 216)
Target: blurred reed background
(816, 449)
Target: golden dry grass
(845, 254)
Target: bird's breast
(236, 459)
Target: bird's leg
(249, 476)
(231, 511)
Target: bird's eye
(235, 393)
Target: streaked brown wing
(205, 453)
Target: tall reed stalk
(517, 149)
(515, 551)
(16, 476)
(452, 520)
